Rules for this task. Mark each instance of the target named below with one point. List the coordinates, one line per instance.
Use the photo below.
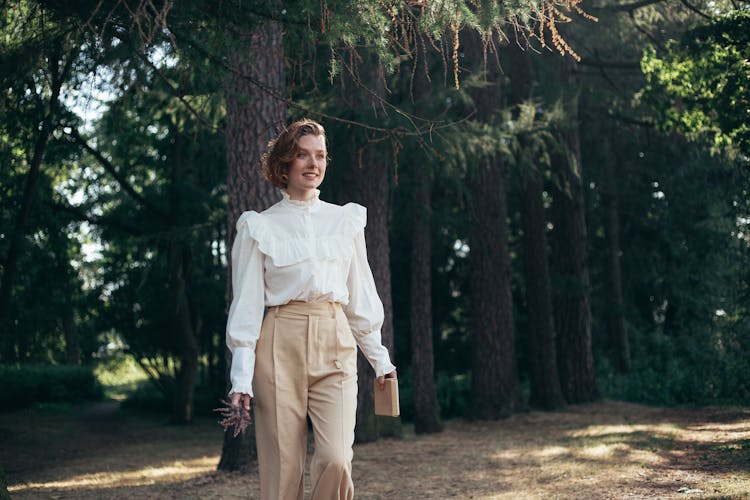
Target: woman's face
(307, 170)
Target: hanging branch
(109, 167)
(628, 7)
(696, 10)
(97, 221)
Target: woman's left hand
(381, 379)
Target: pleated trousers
(306, 365)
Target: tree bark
(59, 245)
(186, 321)
(426, 410)
(546, 392)
(545, 384)
(369, 185)
(253, 118)
(187, 335)
(618, 333)
(570, 258)
(495, 391)
(372, 190)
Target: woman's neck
(302, 194)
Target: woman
(305, 261)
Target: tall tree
(255, 115)
(545, 384)
(495, 391)
(426, 409)
(570, 254)
(619, 343)
(370, 182)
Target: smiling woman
(296, 160)
(305, 261)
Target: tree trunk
(545, 384)
(372, 190)
(570, 258)
(618, 333)
(495, 391)
(426, 410)
(370, 186)
(253, 118)
(546, 392)
(59, 245)
(185, 319)
(187, 335)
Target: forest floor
(600, 450)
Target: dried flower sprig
(236, 418)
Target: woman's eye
(300, 155)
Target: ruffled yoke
(324, 232)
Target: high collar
(308, 205)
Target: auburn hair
(283, 149)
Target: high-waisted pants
(306, 364)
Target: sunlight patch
(599, 451)
(175, 471)
(605, 430)
(552, 452)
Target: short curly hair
(282, 150)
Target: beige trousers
(306, 365)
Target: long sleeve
(365, 310)
(246, 311)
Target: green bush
(22, 386)
(692, 370)
(453, 393)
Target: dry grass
(602, 450)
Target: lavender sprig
(236, 418)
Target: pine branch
(628, 7)
(696, 10)
(598, 63)
(97, 221)
(109, 167)
(174, 91)
(396, 131)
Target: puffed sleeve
(246, 311)
(365, 309)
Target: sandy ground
(601, 450)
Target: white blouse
(311, 251)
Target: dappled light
(607, 449)
(166, 473)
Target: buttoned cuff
(375, 352)
(384, 369)
(241, 373)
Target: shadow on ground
(600, 450)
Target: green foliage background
(675, 113)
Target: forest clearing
(599, 450)
(528, 204)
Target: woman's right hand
(241, 399)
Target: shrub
(453, 393)
(22, 386)
(693, 370)
(146, 397)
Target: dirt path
(602, 450)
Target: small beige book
(386, 398)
